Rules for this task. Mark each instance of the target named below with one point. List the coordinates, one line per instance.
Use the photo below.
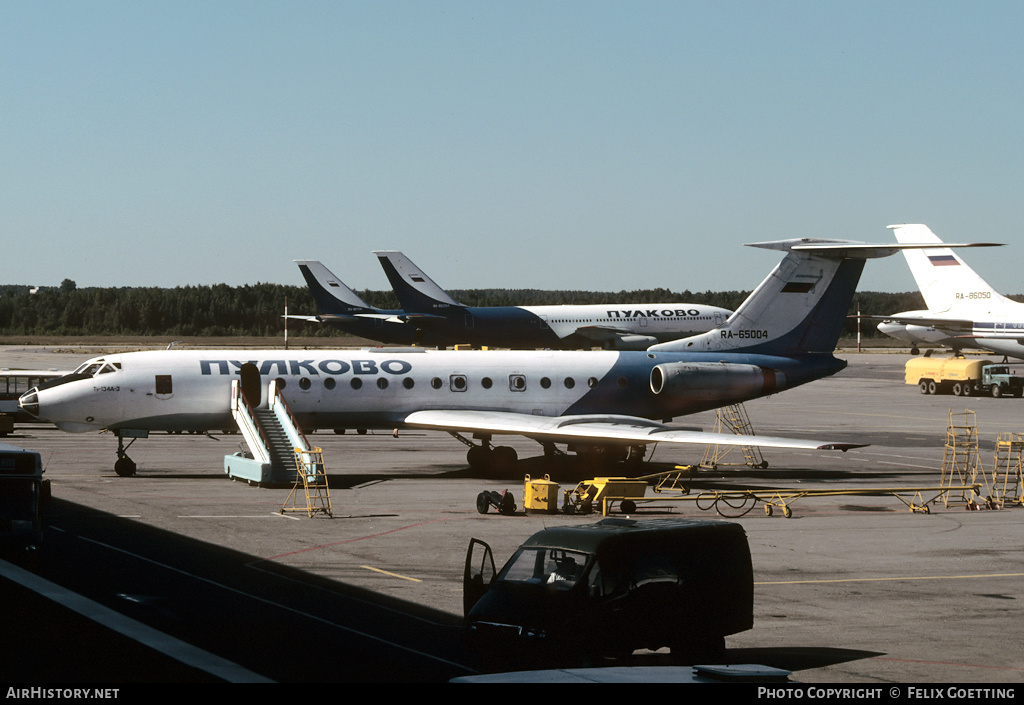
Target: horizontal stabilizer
(848, 249)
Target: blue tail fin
(331, 294)
(415, 290)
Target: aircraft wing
(600, 334)
(597, 428)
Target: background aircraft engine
(714, 380)
(926, 334)
(631, 342)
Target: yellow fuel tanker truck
(962, 377)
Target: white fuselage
(378, 387)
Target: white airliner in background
(781, 337)
(963, 309)
(561, 327)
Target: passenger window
(517, 383)
(486, 383)
(570, 383)
(408, 383)
(458, 383)
(382, 383)
(436, 383)
(329, 383)
(356, 383)
(545, 382)
(305, 384)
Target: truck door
(479, 573)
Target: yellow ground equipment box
(614, 489)
(540, 496)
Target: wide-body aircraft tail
(331, 294)
(945, 281)
(416, 292)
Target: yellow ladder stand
(1008, 473)
(732, 418)
(960, 460)
(311, 473)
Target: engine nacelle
(926, 334)
(715, 380)
(630, 342)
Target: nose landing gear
(125, 466)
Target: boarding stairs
(271, 436)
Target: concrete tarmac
(849, 588)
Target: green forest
(256, 310)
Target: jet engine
(715, 380)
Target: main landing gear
(487, 457)
(484, 457)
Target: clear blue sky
(556, 144)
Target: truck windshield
(556, 567)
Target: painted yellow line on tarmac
(393, 575)
(876, 580)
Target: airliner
(963, 309)
(341, 307)
(563, 327)
(781, 337)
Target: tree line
(256, 310)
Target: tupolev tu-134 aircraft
(781, 337)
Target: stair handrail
(291, 416)
(248, 409)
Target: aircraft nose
(29, 402)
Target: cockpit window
(555, 567)
(97, 368)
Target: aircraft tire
(504, 457)
(125, 467)
(477, 457)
